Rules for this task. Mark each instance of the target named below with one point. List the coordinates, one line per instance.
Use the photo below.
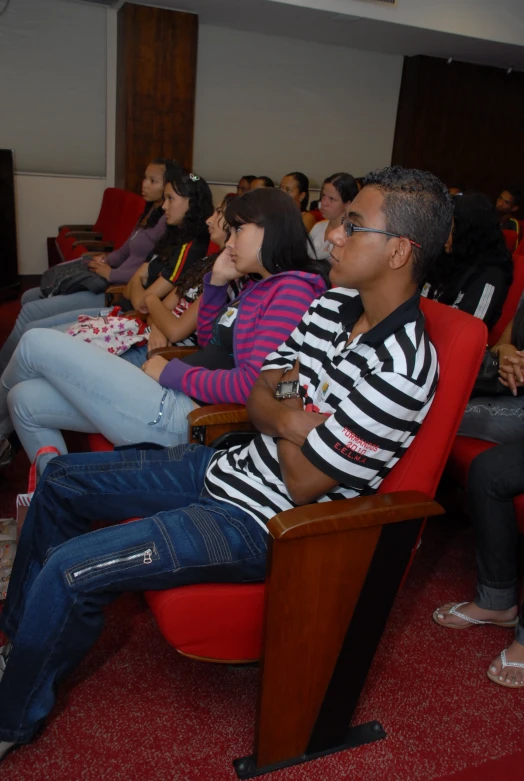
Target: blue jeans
(40, 312)
(64, 573)
(56, 382)
(498, 419)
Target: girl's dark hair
(249, 178)
(345, 185)
(200, 209)
(303, 187)
(284, 247)
(193, 276)
(478, 242)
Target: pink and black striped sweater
(268, 311)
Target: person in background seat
(261, 181)
(507, 204)
(244, 184)
(117, 267)
(296, 185)
(475, 271)
(338, 190)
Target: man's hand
(99, 267)
(157, 338)
(224, 270)
(297, 424)
(154, 367)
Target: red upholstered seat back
(510, 238)
(120, 230)
(114, 204)
(460, 341)
(464, 450)
(512, 300)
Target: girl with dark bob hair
(296, 185)
(475, 271)
(338, 190)
(90, 390)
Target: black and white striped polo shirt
(375, 394)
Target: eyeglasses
(350, 229)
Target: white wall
(491, 20)
(270, 105)
(57, 111)
(43, 203)
(53, 86)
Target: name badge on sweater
(229, 317)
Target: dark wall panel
(463, 122)
(156, 83)
(8, 252)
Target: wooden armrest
(172, 352)
(206, 424)
(84, 235)
(218, 414)
(362, 512)
(102, 246)
(114, 293)
(82, 227)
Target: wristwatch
(288, 390)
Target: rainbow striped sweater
(268, 312)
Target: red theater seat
(333, 572)
(464, 450)
(512, 300)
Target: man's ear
(402, 253)
(514, 208)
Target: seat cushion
(215, 621)
(464, 450)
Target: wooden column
(156, 84)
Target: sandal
(453, 611)
(505, 663)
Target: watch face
(287, 387)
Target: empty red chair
(109, 214)
(132, 207)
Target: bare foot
(442, 615)
(509, 676)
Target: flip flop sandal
(453, 611)
(505, 663)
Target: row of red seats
(119, 213)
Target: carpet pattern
(136, 709)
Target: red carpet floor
(135, 709)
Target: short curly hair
(416, 205)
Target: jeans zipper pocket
(146, 554)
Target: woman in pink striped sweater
(54, 382)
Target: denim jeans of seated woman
(495, 478)
(40, 312)
(64, 573)
(56, 382)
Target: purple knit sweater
(268, 312)
(126, 260)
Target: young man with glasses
(337, 405)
